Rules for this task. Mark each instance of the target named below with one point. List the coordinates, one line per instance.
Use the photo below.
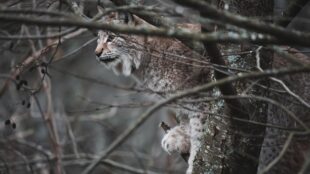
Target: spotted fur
(163, 65)
(156, 62)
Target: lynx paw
(177, 140)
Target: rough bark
(227, 149)
(252, 135)
(298, 149)
(231, 146)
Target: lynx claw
(176, 140)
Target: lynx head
(121, 53)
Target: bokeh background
(88, 105)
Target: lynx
(162, 65)
(165, 65)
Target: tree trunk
(231, 146)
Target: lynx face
(116, 52)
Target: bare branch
(121, 138)
(167, 32)
(292, 10)
(277, 159)
(290, 36)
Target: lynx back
(162, 64)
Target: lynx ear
(190, 27)
(126, 17)
(110, 15)
(139, 21)
(100, 9)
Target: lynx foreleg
(177, 139)
(196, 135)
(186, 138)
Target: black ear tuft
(126, 17)
(126, 20)
(130, 17)
(7, 122)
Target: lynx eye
(110, 38)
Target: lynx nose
(101, 47)
(98, 53)
(98, 50)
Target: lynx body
(162, 65)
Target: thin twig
(291, 36)
(71, 159)
(219, 36)
(286, 88)
(121, 138)
(50, 36)
(278, 158)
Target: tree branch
(291, 36)
(218, 37)
(121, 138)
(291, 11)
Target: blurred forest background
(59, 108)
